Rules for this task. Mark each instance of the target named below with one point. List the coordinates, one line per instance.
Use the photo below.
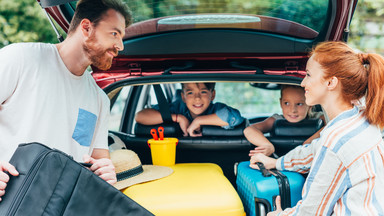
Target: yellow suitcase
(192, 189)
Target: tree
(24, 21)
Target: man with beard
(47, 96)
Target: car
(249, 48)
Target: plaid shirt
(345, 166)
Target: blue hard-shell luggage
(258, 192)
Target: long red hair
(360, 74)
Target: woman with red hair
(345, 165)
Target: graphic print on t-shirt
(85, 127)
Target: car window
(244, 14)
(118, 109)
(250, 101)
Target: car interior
(225, 147)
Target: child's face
(197, 97)
(293, 104)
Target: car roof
(247, 37)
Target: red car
(249, 48)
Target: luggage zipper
(29, 177)
(284, 188)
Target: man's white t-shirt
(42, 101)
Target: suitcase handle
(262, 202)
(263, 170)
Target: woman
(345, 165)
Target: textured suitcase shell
(252, 185)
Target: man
(47, 96)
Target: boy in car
(196, 109)
(294, 109)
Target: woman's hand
(269, 163)
(278, 207)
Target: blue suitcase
(258, 192)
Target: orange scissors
(154, 133)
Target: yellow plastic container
(163, 151)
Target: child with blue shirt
(196, 109)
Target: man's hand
(103, 168)
(278, 207)
(4, 177)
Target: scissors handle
(154, 134)
(161, 132)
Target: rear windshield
(280, 16)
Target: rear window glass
(250, 101)
(273, 15)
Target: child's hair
(359, 74)
(290, 86)
(311, 111)
(210, 86)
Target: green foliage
(367, 27)
(295, 10)
(249, 100)
(23, 21)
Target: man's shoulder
(28, 45)
(26, 49)
(95, 88)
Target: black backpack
(52, 183)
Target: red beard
(98, 56)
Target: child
(294, 109)
(197, 109)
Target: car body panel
(152, 44)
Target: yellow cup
(163, 151)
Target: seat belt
(163, 104)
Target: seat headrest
(304, 128)
(209, 130)
(173, 130)
(170, 130)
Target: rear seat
(285, 136)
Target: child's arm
(149, 117)
(212, 119)
(152, 117)
(227, 114)
(255, 135)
